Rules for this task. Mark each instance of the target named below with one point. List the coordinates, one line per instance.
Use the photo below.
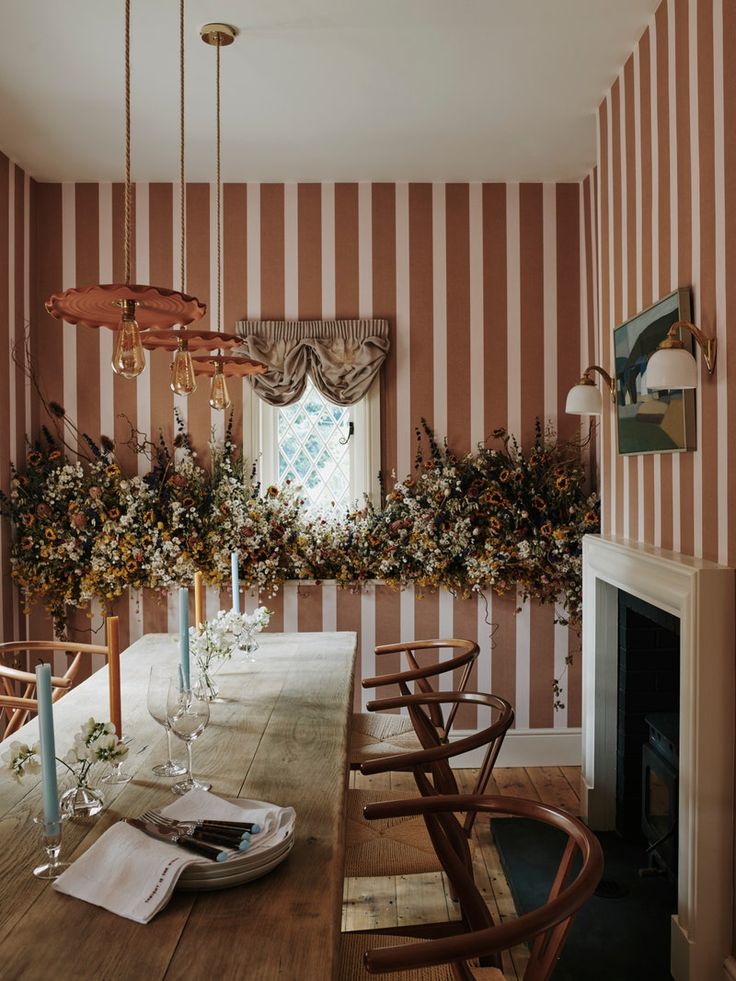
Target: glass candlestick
(51, 838)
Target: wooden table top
(281, 736)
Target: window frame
(260, 427)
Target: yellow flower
(50, 534)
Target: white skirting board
(529, 747)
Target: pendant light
(221, 365)
(182, 342)
(127, 308)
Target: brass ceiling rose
(218, 34)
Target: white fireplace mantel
(702, 595)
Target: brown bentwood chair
(401, 845)
(373, 735)
(450, 958)
(18, 688)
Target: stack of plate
(242, 867)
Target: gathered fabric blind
(341, 356)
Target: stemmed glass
(117, 772)
(188, 713)
(158, 694)
(51, 837)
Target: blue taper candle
(50, 789)
(236, 581)
(184, 634)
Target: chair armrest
(13, 674)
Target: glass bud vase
(249, 644)
(207, 676)
(81, 801)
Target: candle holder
(51, 838)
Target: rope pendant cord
(128, 209)
(219, 198)
(183, 228)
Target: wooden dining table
(279, 735)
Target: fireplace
(700, 595)
(648, 682)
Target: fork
(243, 828)
(222, 836)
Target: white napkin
(133, 875)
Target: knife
(215, 836)
(246, 827)
(183, 841)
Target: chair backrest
(546, 927)
(18, 688)
(418, 677)
(430, 765)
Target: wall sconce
(584, 399)
(673, 366)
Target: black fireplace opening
(647, 752)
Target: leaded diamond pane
(310, 453)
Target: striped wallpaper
(485, 285)
(15, 392)
(667, 214)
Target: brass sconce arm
(586, 379)
(706, 344)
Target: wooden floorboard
(386, 902)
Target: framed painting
(651, 422)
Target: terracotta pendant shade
(231, 365)
(100, 306)
(195, 340)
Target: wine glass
(158, 693)
(188, 713)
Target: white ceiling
(316, 89)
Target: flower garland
(499, 518)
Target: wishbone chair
(18, 688)
(455, 956)
(401, 846)
(374, 735)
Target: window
(331, 453)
